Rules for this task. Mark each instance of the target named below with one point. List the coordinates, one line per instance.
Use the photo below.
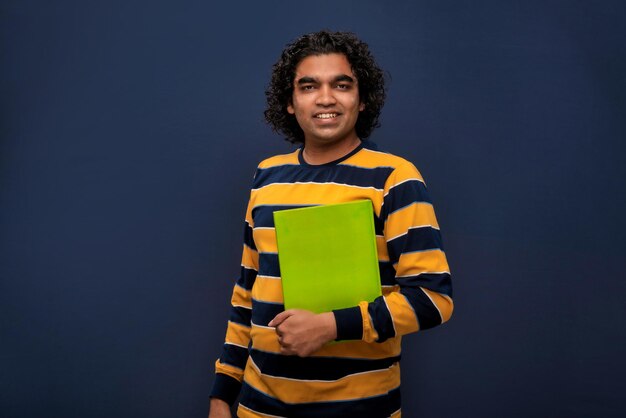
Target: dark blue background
(129, 134)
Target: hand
(302, 332)
(219, 409)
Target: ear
(361, 107)
(290, 108)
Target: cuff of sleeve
(349, 323)
(225, 388)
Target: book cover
(327, 255)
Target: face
(326, 100)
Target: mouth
(329, 115)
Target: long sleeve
(422, 297)
(230, 366)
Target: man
(327, 92)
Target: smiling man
(326, 93)
(326, 104)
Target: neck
(317, 154)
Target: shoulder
(279, 160)
(372, 157)
(277, 168)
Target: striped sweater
(361, 376)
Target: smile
(326, 115)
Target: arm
(219, 409)
(422, 274)
(229, 367)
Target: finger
(286, 351)
(278, 319)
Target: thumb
(280, 318)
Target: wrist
(330, 325)
(217, 404)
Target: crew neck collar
(330, 163)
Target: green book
(327, 255)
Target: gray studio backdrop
(129, 134)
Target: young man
(327, 92)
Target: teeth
(326, 115)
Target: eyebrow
(344, 77)
(308, 80)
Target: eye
(343, 86)
(307, 87)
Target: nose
(325, 96)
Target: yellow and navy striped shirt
(360, 376)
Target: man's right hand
(219, 409)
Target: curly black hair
(370, 79)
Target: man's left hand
(301, 332)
